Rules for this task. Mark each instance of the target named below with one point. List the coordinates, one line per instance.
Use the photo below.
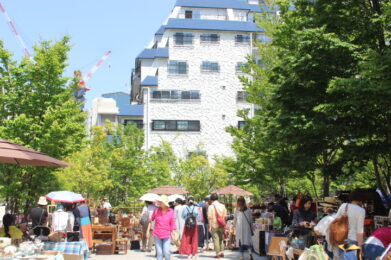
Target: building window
(241, 96)
(241, 124)
(139, 123)
(176, 125)
(242, 39)
(188, 14)
(177, 67)
(183, 38)
(176, 94)
(240, 66)
(208, 66)
(210, 38)
(197, 153)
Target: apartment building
(187, 77)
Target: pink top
(164, 224)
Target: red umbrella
(232, 190)
(168, 190)
(13, 153)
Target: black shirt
(38, 216)
(205, 207)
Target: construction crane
(83, 88)
(14, 31)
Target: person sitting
(8, 229)
(302, 224)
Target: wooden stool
(121, 244)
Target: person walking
(217, 211)
(84, 221)
(243, 227)
(356, 217)
(201, 228)
(179, 222)
(164, 226)
(205, 207)
(146, 215)
(189, 242)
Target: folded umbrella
(64, 196)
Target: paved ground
(137, 255)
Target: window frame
(245, 39)
(187, 39)
(241, 124)
(172, 125)
(178, 69)
(137, 122)
(176, 94)
(206, 67)
(207, 38)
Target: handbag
(251, 228)
(220, 220)
(339, 228)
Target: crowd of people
(190, 226)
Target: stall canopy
(13, 153)
(232, 190)
(168, 190)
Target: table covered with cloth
(69, 248)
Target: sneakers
(221, 255)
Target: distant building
(187, 77)
(116, 108)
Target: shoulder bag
(339, 228)
(220, 220)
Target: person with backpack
(243, 227)
(144, 221)
(189, 243)
(216, 217)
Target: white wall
(215, 101)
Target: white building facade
(187, 77)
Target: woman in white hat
(164, 226)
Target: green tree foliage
(323, 96)
(37, 110)
(199, 177)
(89, 170)
(114, 164)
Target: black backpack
(191, 221)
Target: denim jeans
(163, 248)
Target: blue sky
(123, 26)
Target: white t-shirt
(107, 205)
(59, 220)
(356, 216)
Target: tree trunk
(326, 184)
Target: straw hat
(164, 200)
(329, 202)
(42, 201)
